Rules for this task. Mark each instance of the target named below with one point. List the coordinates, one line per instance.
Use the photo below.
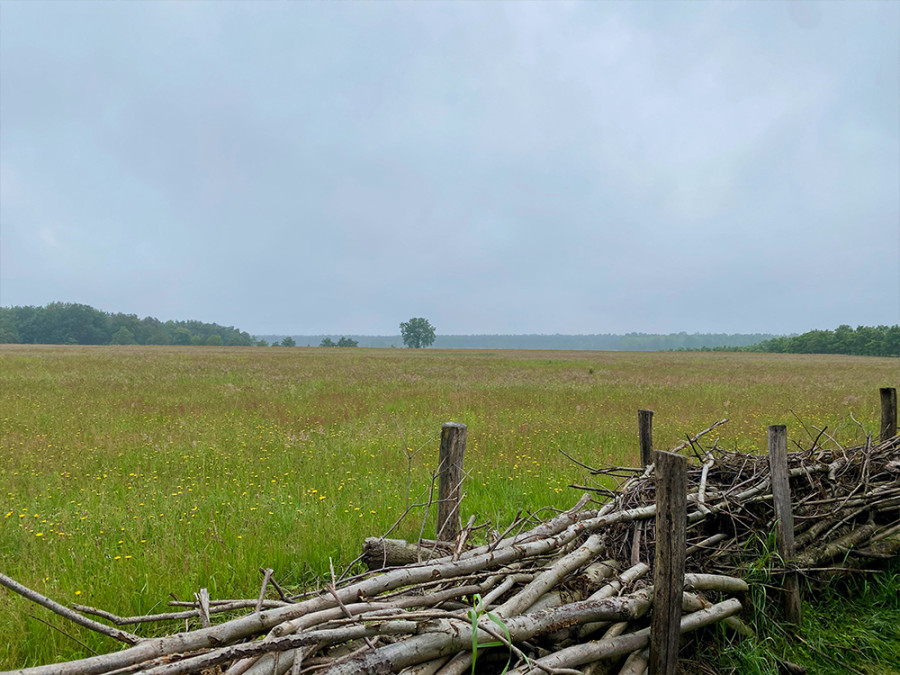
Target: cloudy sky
(496, 167)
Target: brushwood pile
(570, 592)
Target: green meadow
(129, 473)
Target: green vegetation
(474, 615)
(417, 333)
(63, 323)
(68, 323)
(863, 341)
(629, 342)
(852, 625)
(635, 342)
(343, 342)
(127, 474)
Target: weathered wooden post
(450, 475)
(645, 431)
(784, 518)
(888, 413)
(668, 575)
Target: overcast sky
(496, 167)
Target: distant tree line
(286, 342)
(605, 342)
(343, 342)
(635, 342)
(61, 323)
(861, 341)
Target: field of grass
(127, 473)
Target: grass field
(127, 473)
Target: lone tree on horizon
(417, 333)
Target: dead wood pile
(566, 595)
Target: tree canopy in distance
(417, 333)
(343, 342)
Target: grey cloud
(497, 167)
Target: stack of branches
(570, 594)
(845, 504)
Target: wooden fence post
(645, 431)
(668, 575)
(450, 476)
(784, 518)
(888, 413)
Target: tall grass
(850, 625)
(127, 473)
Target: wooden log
(603, 667)
(829, 550)
(450, 476)
(715, 582)
(784, 518)
(552, 576)
(594, 650)
(668, 577)
(888, 413)
(645, 434)
(609, 590)
(445, 637)
(636, 663)
(694, 603)
(379, 552)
